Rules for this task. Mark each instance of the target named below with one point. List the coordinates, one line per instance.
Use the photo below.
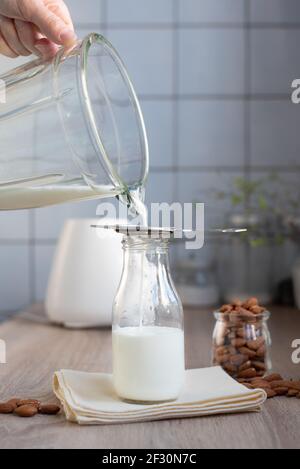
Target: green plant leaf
(262, 202)
(236, 199)
(258, 242)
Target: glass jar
(241, 344)
(147, 335)
(89, 138)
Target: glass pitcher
(90, 138)
(148, 338)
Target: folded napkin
(89, 398)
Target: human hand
(34, 27)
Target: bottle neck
(145, 245)
(146, 258)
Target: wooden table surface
(36, 349)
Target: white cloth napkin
(89, 398)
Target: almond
(255, 344)
(236, 302)
(238, 342)
(277, 383)
(6, 408)
(251, 302)
(26, 410)
(261, 351)
(241, 332)
(49, 409)
(14, 402)
(294, 385)
(273, 377)
(270, 393)
(287, 384)
(281, 391)
(221, 359)
(235, 318)
(292, 393)
(32, 402)
(250, 373)
(220, 350)
(259, 365)
(257, 309)
(245, 366)
(229, 368)
(237, 359)
(246, 351)
(260, 383)
(246, 314)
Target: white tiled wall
(215, 95)
(274, 133)
(211, 11)
(211, 133)
(158, 117)
(204, 186)
(148, 56)
(159, 187)
(273, 59)
(137, 11)
(14, 276)
(14, 225)
(275, 11)
(86, 12)
(211, 61)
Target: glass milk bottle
(148, 338)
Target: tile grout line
(175, 102)
(257, 97)
(175, 107)
(247, 123)
(247, 78)
(229, 168)
(189, 25)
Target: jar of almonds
(241, 339)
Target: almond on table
(33, 402)
(49, 409)
(28, 407)
(273, 377)
(6, 408)
(270, 393)
(292, 393)
(26, 410)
